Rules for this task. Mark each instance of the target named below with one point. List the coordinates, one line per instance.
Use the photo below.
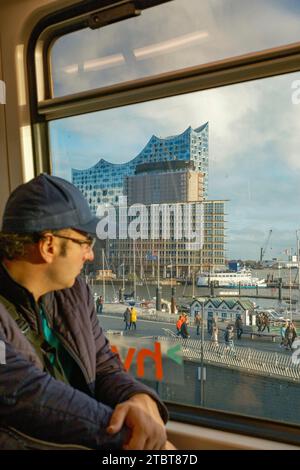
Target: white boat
(230, 279)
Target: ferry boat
(230, 279)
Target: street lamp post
(193, 283)
(134, 279)
(202, 355)
(103, 277)
(123, 276)
(290, 282)
(298, 257)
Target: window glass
(236, 150)
(169, 37)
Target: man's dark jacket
(36, 404)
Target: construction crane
(264, 248)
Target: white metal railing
(260, 362)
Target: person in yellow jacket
(133, 318)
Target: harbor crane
(264, 248)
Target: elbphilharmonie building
(104, 182)
(171, 170)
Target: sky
(254, 127)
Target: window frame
(46, 31)
(235, 423)
(229, 71)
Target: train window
(241, 141)
(169, 37)
(184, 120)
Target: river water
(184, 293)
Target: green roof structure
(231, 302)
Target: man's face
(70, 255)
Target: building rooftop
(135, 161)
(230, 302)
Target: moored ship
(242, 278)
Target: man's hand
(140, 414)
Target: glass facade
(178, 257)
(104, 182)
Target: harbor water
(265, 297)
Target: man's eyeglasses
(88, 242)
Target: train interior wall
(17, 19)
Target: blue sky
(254, 136)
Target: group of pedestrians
(263, 322)
(288, 334)
(130, 318)
(212, 330)
(183, 323)
(287, 331)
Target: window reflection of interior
(141, 53)
(104, 62)
(170, 45)
(157, 42)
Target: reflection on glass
(169, 37)
(170, 45)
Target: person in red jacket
(179, 323)
(184, 327)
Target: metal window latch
(112, 15)
(2, 353)
(2, 92)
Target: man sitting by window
(60, 381)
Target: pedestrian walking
(197, 323)
(228, 336)
(282, 334)
(184, 327)
(290, 335)
(214, 335)
(239, 327)
(133, 318)
(179, 323)
(127, 318)
(99, 304)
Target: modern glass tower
(104, 182)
